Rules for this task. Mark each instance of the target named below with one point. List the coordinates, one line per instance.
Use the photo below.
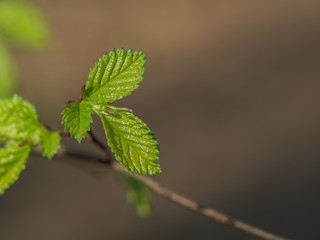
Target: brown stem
(63, 133)
(91, 137)
(196, 207)
(108, 154)
(166, 193)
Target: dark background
(232, 93)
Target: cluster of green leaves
(23, 24)
(20, 130)
(113, 77)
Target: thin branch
(196, 207)
(91, 137)
(101, 165)
(108, 154)
(63, 133)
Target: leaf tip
(79, 139)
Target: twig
(196, 207)
(166, 193)
(91, 137)
(108, 154)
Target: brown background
(232, 93)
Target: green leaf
(138, 195)
(18, 121)
(50, 143)
(24, 24)
(7, 72)
(115, 76)
(12, 162)
(21, 130)
(132, 142)
(77, 118)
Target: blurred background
(231, 91)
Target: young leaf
(21, 130)
(7, 72)
(132, 142)
(50, 143)
(18, 121)
(23, 23)
(138, 195)
(115, 76)
(77, 118)
(12, 162)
